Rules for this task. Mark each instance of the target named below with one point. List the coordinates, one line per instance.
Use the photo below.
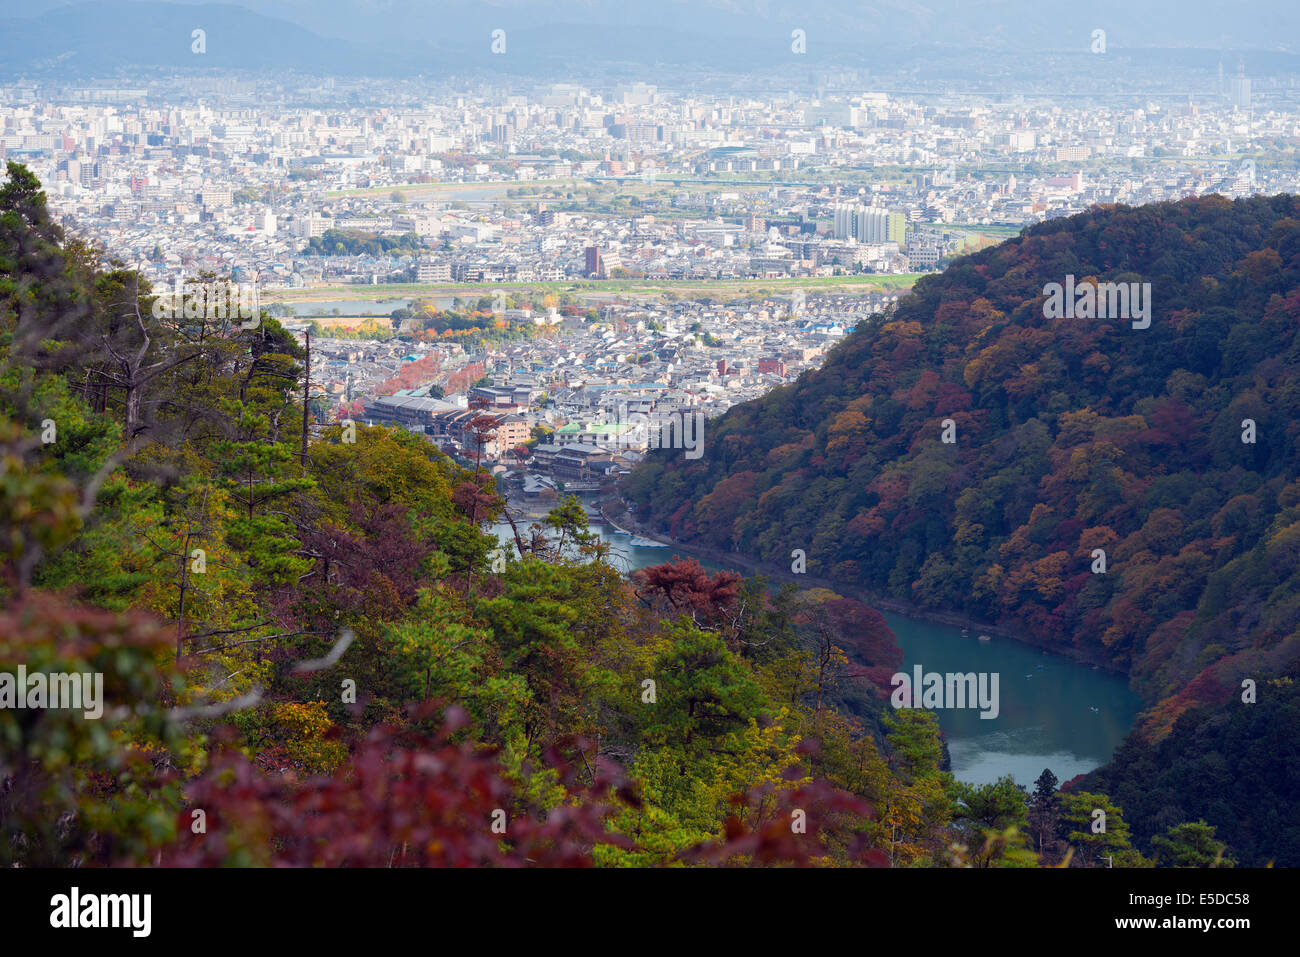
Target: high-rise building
(1239, 92)
(869, 224)
(1239, 88)
(601, 262)
(846, 221)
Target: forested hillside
(1168, 452)
(314, 655)
(1229, 765)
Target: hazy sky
(426, 36)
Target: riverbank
(616, 513)
(1055, 712)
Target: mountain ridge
(559, 38)
(1072, 436)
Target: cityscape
(531, 195)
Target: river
(1045, 717)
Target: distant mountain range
(103, 37)
(548, 36)
(1008, 25)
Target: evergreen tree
(1191, 844)
(1044, 813)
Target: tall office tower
(1239, 88)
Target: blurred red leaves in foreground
(408, 800)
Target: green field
(599, 289)
(410, 190)
(999, 231)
